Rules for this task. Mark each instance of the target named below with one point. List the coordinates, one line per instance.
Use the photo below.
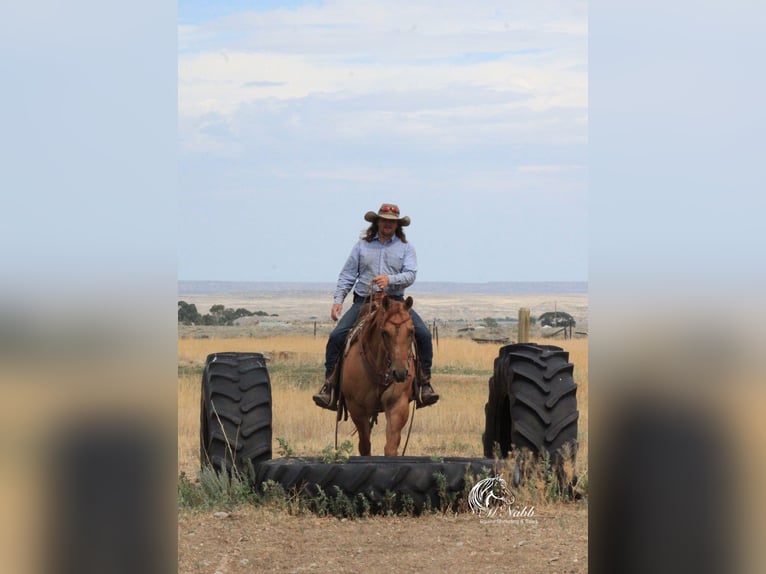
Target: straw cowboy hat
(387, 211)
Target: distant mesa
(491, 288)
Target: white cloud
(350, 49)
(425, 103)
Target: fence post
(523, 335)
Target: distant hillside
(206, 287)
(503, 287)
(490, 288)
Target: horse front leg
(364, 429)
(396, 419)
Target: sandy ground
(260, 540)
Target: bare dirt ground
(261, 540)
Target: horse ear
(408, 303)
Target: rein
(407, 441)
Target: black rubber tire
(496, 437)
(497, 426)
(235, 413)
(533, 402)
(412, 478)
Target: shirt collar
(394, 239)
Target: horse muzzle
(399, 375)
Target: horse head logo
(489, 495)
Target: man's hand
(335, 311)
(381, 281)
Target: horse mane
(384, 304)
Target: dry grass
(453, 427)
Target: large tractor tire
(496, 438)
(387, 483)
(532, 403)
(235, 425)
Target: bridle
(383, 378)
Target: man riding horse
(382, 260)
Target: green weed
(331, 455)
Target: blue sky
(296, 118)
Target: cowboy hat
(387, 211)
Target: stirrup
(427, 401)
(326, 397)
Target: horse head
(397, 332)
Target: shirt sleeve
(406, 276)
(348, 276)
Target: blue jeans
(338, 339)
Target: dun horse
(378, 371)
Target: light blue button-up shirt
(370, 259)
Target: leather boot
(327, 398)
(425, 395)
